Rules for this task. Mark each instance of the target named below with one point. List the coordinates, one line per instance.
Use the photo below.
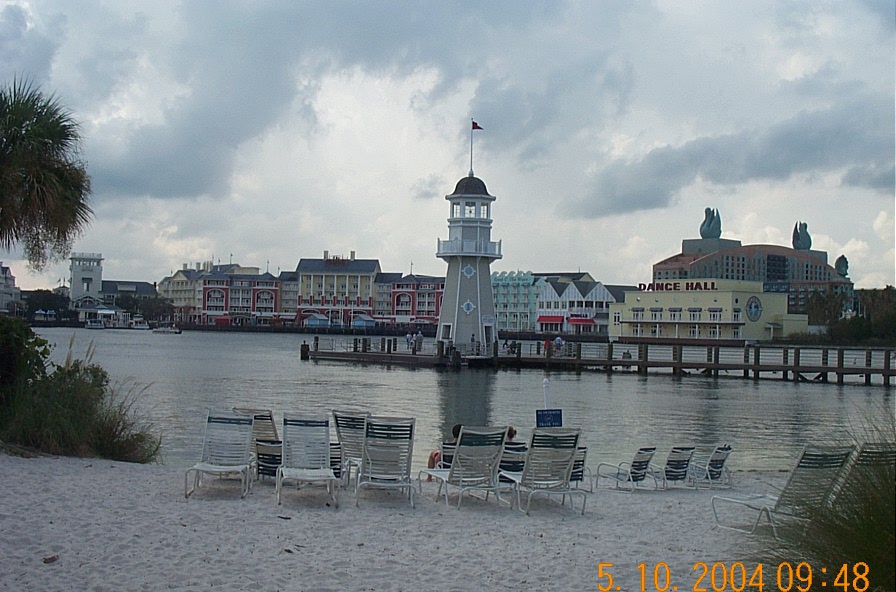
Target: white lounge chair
(386, 455)
(306, 454)
(809, 485)
(263, 428)
(350, 433)
(548, 466)
(631, 474)
(676, 469)
(474, 464)
(225, 451)
(581, 475)
(713, 470)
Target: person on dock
(408, 339)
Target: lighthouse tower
(467, 315)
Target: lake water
(767, 421)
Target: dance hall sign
(678, 287)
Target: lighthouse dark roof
(470, 186)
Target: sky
(264, 132)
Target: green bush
(69, 409)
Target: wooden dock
(797, 364)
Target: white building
(10, 295)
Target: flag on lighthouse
(476, 126)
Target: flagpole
(471, 146)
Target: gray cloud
(854, 136)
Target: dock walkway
(798, 364)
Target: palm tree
(43, 184)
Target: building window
(694, 331)
(470, 209)
(617, 318)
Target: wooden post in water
(365, 344)
(304, 354)
(715, 360)
(440, 349)
(796, 364)
(609, 365)
(746, 361)
(756, 362)
(579, 352)
(868, 365)
(840, 355)
(643, 353)
(708, 370)
(316, 343)
(886, 373)
(784, 360)
(676, 360)
(355, 345)
(824, 362)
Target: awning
(550, 319)
(581, 321)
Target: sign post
(548, 417)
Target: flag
(476, 126)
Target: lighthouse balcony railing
(469, 247)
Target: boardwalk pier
(797, 364)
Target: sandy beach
(91, 524)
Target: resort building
(516, 296)
(10, 295)
(416, 300)
(729, 312)
(95, 298)
(333, 291)
(797, 272)
(575, 304)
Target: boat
(139, 324)
(168, 329)
(95, 324)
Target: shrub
(70, 409)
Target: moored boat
(94, 324)
(168, 329)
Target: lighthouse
(467, 314)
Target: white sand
(117, 526)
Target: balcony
(472, 248)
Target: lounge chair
(225, 451)
(386, 454)
(548, 466)
(713, 470)
(263, 428)
(809, 485)
(676, 469)
(512, 459)
(268, 457)
(872, 467)
(350, 433)
(632, 474)
(474, 466)
(306, 454)
(581, 475)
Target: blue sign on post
(549, 418)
